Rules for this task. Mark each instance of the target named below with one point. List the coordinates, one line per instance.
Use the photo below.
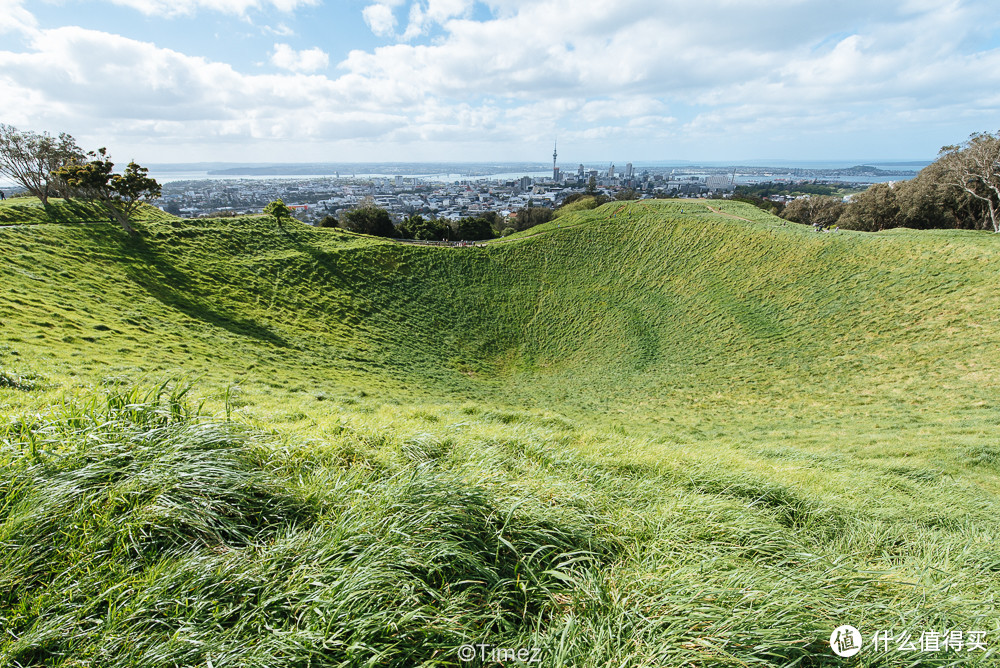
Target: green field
(656, 433)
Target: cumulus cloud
(72, 80)
(380, 19)
(435, 12)
(422, 16)
(641, 60)
(307, 60)
(629, 73)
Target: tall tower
(555, 170)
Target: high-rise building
(611, 171)
(579, 172)
(555, 170)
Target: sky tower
(555, 170)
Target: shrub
(370, 220)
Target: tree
(874, 210)
(592, 185)
(475, 229)
(533, 215)
(494, 219)
(930, 202)
(131, 188)
(974, 167)
(119, 194)
(418, 227)
(32, 159)
(814, 210)
(926, 201)
(370, 220)
(278, 211)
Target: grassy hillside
(653, 433)
(25, 210)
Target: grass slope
(26, 210)
(650, 433)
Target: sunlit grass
(647, 434)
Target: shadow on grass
(75, 211)
(343, 273)
(173, 288)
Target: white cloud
(600, 110)
(281, 30)
(632, 74)
(15, 18)
(74, 80)
(417, 22)
(435, 12)
(307, 60)
(422, 16)
(380, 19)
(187, 7)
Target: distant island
(388, 168)
(474, 169)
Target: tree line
(376, 221)
(49, 167)
(371, 219)
(959, 190)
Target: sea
(167, 174)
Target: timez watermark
(485, 652)
(846, 641)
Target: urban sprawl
(314, 198)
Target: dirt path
(618, 210)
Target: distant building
(719, 184)
(611, 171)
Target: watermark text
(485, 652)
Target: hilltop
(642, 389)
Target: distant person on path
(2, 196)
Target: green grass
(29, 211)
(645, 434)
(583, 204)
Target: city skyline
(292, 81)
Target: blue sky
(459, 80)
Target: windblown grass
(133, 531)
(29, 211)
(136, 531)
(646, 434)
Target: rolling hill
(654, 433)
